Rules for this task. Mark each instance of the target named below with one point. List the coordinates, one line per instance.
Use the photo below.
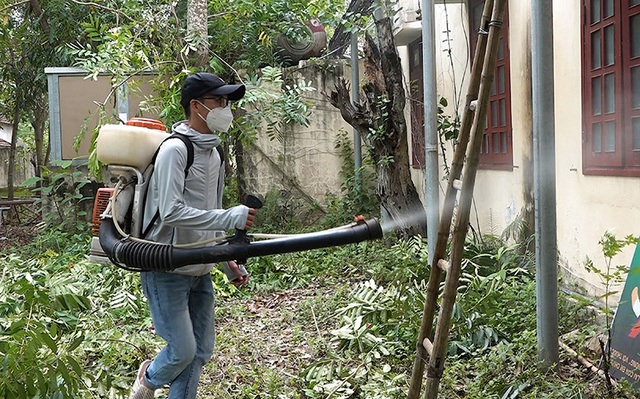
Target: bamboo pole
(449, 206)
(437, 358)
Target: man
(188, 204)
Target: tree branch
(92, 4)
(354, 114)
(125, 80)
(341, 38)
(37, 11)
(14, 5)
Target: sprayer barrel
(141, 256)
(368, 230)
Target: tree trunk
(12, 149)
(38, 124)
(240, 167)
(341, 38)
(197, 30)
(39, 112)
(36, 9)
(381, 123)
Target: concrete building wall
(304, 160)
(24, 169)
(5, 130)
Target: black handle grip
(252, 201)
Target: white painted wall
(587, 206)
(5, 131)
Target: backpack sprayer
(129, 151)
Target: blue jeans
(182, 312)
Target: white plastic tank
(132, 144)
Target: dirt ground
(15, 236)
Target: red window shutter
(631, 76)
(497, 145)
(602, 80)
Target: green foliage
(343, 263)
(610, 275)
(74, 329)
(404, 263)
(244, 32)
(357, 187)
(379, 324)
(367, 344)
(283, 212)
(60, 195)
(507, 371)
(39, 351)
(280, 213)
(492, 273)
(271, 101)
(105, 49)
(28, 44)
(28, 147)
(69, 328)
(123, 39)
(492, 342)
(510, 370)
(128, 38)
(23, 59)
(448, 129)
(379, 133)
(389, 313)
(43, 310)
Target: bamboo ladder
(471, 132)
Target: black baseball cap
(201, 83)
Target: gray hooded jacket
(190, 209)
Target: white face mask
(218, 119)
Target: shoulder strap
(190, 151)
(190, 155)
(221, 153)
(187, 142)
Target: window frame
(497, 161)
(499, 122)
(631, 62)
(623, 160)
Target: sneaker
(139, 390)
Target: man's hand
(235, 269)
(250, 217)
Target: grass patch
(263, 342)
(18, 192)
